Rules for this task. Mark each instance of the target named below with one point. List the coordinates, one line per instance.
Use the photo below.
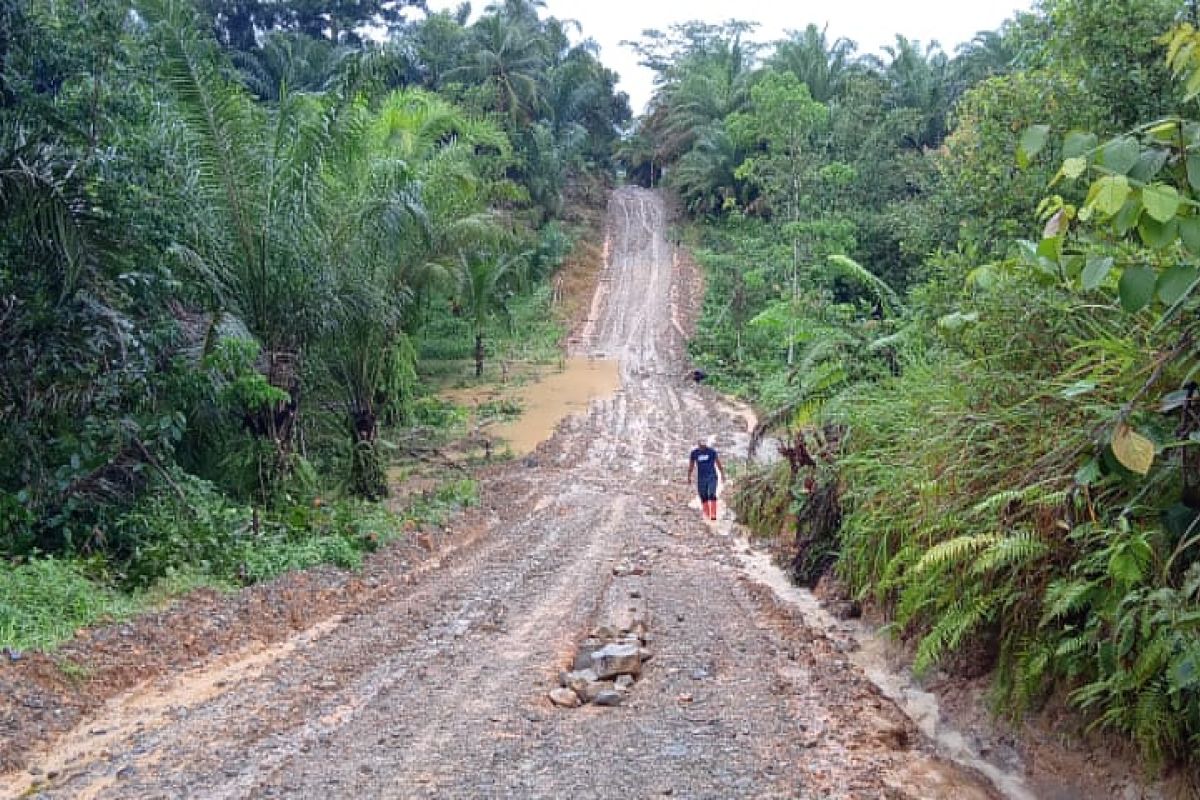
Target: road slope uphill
(440, 689)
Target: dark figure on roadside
(707, 465)
(698, 375)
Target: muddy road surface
(440, 687)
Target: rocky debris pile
(605, 668)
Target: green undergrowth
(524, 330)
(988, 517)
(170, 547)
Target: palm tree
(256, 169)
(507, 59)
(481, 277)
(988, 54)
(290, 62)
(580, 95)
(919, 81)
(706, 85)
(705, 176)
(399, 190)
(819, 64)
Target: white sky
(870, 23)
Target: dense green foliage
(230, 237)
(234, 238)
(961, 289)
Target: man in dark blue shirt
(707, 466)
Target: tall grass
(45, 601)
(986, 514)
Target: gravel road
(440, 688)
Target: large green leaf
(1193, 171)
(1078, 143)
(1074, 167)
(1185, 670)
(1120, 154)
(1136, 288)
(1157, 234)
(1127, 218)
(1096, 271)
(1032, 140)
(1089, 473)
(1108, 194)
(1149, 164)
(1189, 231)
(1165, 132)
(1174, 283)
(1161, 201)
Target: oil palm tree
(508, 60)
(290, 62)
(821, 65)
(706, 85)
(919, 82)
(252, 247)
(399, 189)
(481, 291)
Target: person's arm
(720, 469)
(691, 467)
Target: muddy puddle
(869, 653)
(544, 401)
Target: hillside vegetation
(962, 289)
(239, 243)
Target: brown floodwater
(545, 400)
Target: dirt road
(439, 688)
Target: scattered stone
(608, 697)
(645, 654)
(583, 660)
(616, 659)
(590, 691)
(126, 772)
(565, 698)
(604, 633)
(579, 679)
(623, 683)
(699, 674)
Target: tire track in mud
(440, 691)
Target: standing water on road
(549, 399)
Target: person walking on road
(707, 466)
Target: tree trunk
(368, 478)
(478, 355)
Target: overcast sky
(870, 23)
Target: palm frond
(849, 268)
